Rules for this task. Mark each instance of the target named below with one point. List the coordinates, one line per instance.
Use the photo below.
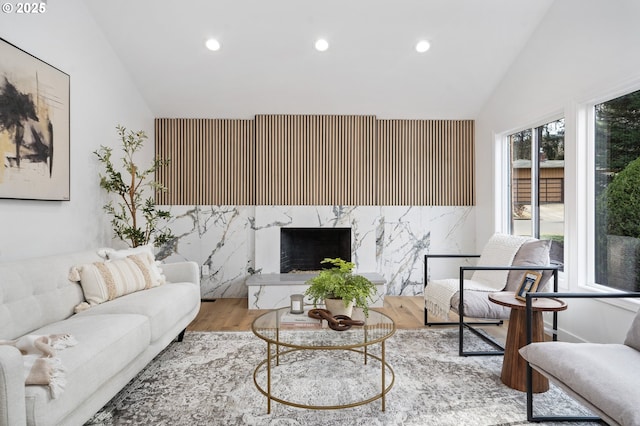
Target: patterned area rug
(208, 380)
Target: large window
(537, 185)
(617, 192)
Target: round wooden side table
(514, 367)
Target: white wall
(582, 50)
(102, 96)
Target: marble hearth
(270, 291)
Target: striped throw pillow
(104, 281)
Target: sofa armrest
(12, 397)
(182, 272)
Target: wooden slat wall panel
(315, 160)
(425, 162)
(212, 161)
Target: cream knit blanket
(500, 250)
(438, 294)
(41, 366)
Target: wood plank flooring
(233, 315)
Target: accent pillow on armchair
(501, 250)
(477, 304)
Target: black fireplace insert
(302, 249)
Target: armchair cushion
(588, 371)
(633, 335)
(477, 305)
(442, 295)
(531, 253)
(438, 296)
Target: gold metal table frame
(377, 329)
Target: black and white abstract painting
(34, 127)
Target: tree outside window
(617, 192)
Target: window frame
(505, 204)
(579, 115)
(504, 188)
(585, 118)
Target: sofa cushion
(602, 374)
(106, 344)
(102, 281)
(162, 305)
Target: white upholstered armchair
(500, 267)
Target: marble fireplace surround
(234, 242)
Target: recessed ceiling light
(422, 46)
(321, 45)
(213, 44)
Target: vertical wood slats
(425, 162)
(316, 160)
(212, 161)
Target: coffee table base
(270, 397)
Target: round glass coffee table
(311, 349)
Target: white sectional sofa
(116, 339)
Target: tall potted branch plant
(339, 283)
(135, 219)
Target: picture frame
(529, 284)
(34, 127)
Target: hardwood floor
(224, 315)
(233, 315)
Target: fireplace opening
(302, 249)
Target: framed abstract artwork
(34, 127)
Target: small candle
(297, 304)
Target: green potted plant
(135, 217)
(339, 283)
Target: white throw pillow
(104, 281)
(111, 253)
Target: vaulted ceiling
(268, 65)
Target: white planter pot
(336, 307)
